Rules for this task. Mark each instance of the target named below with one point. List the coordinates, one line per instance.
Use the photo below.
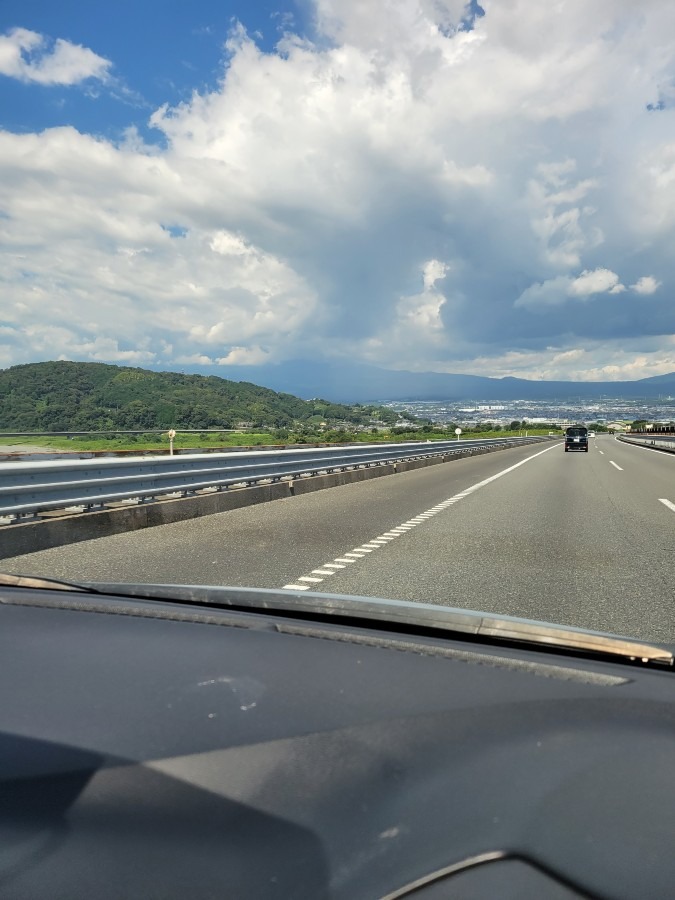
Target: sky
(425, 185)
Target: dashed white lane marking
(612, 463)
(603, 452)
(351, 556)
(667, 503)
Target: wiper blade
(48, 584)
(401, 614)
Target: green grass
(254, 439)
(124, 442)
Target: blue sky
(160, 51)
(409, 184)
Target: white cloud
(433, 270)
(563, 288)
(575, 364)
(645, 285)
(547, 293)
(29, 56)
(562, 224)
(595, 282)
(245, 356)
(194, 359)
(396, 188)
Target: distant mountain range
(356, 383)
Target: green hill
(77, 396)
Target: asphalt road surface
(582, 539)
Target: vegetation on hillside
(77, 396)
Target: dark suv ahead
(576, 438)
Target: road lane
(566, 538)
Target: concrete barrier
(335, 479)
(30, 537)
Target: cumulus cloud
(400, 185)
(595, 282)
(244, 356)
(645, 285)
(559, 290)
(31, 57)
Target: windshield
(315, 296)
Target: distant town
(607, 412)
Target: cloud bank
(409, 184)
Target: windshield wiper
(400, 615)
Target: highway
(581, 539)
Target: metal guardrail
(662, 441)
(33, 487)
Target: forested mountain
(78, 396)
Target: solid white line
(612, 463)
(667, 503)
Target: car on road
(576, 438)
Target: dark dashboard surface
(152, 750)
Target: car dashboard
(154, 749)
